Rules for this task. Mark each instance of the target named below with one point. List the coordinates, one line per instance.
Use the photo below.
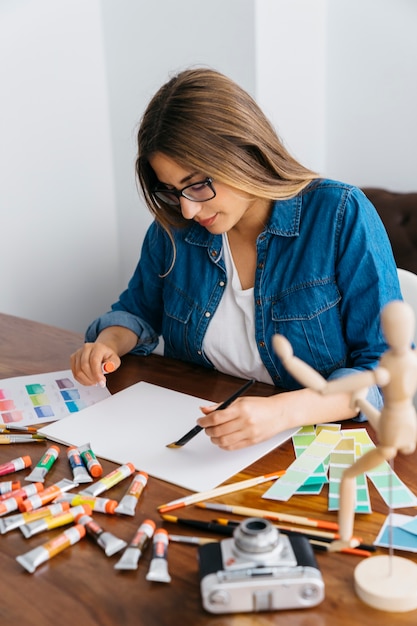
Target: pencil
(322, 545)
(194, 431)
(218, 491)
(324, 535)
(271, 515)
(219, 529)
(199, 541)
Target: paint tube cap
(80, 528)
(95, 470)
(27, 461)
(110, 506)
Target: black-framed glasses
(200, 191)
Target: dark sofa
(398, 211)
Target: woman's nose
(189, 208)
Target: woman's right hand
(87, 363)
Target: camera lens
(256, 535)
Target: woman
(246, 243)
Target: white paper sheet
(136, 424)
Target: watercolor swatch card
(304, 466)
(398, 532)
(40, 398)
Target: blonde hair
(205, 122)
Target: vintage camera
(259, 569)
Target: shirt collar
(284, 221)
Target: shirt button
(207, 314)
(262, 344)
(221, 283)
(199, 352)
(214, 253)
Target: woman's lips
(208, 222)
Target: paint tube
(135, 549)
(32, 559)
(6, 486)
(106, 540)
(127, 504)
(115, 477)
(11, 522)
(23, 492)
(15, 465)
(97, 504)
(91, 462)
(158, 568)
(55, 521)
(44, 465)
(46, 496)
(79, 470)
(15, 502)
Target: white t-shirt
(230, 339)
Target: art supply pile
(45, 508)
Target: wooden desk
(80, 585)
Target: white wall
(75, 78)
(291, 76)
(372, 92)
(337, 78)
(59, 249)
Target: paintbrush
(194, 431)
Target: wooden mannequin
(385, 585)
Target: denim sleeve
(374, 395)
(140, 306)
(147, 338)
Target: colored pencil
(322, 545)
(324, 535)
(219, 529)
(194, 431)
(271, 515)
(199, 541)
(218, 491)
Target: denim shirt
(325, 269)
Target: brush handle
(194, 431)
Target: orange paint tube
(6, 486)
(45, 496)
(15, 502)
(32, 559)
(127, 504)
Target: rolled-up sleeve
(147, 337)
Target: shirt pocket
(178, 309)
(308, 315)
